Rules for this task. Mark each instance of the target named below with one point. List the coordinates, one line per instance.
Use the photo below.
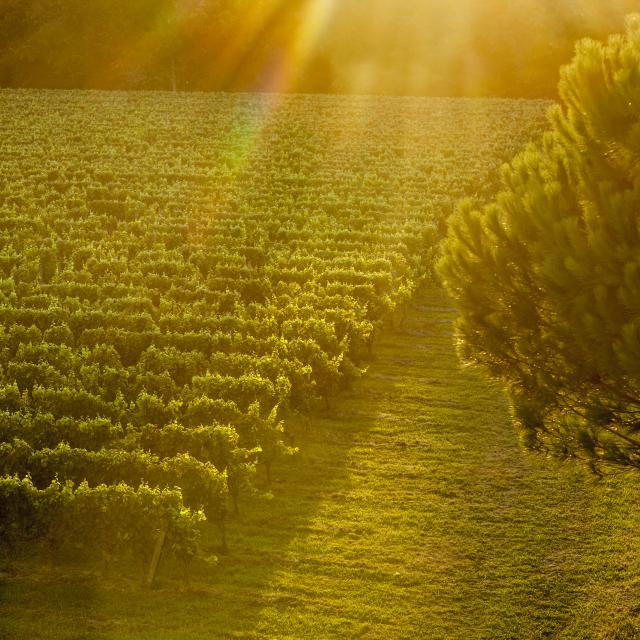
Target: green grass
(410, 512)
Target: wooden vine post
(157, 553)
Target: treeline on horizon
(409, 47)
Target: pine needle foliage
(547, 276)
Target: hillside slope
(410, 512)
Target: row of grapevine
(179, 273)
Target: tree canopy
(405, 47)
(547, 276)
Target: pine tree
(547, 276)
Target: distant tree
(508, 47)
(547, 277)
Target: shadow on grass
(226, 600)
(410, 511)
(288, 534)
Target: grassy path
(410, 513)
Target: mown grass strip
(410, 512)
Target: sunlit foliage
(546, 277)
(179, 273)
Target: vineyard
(182, 275)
